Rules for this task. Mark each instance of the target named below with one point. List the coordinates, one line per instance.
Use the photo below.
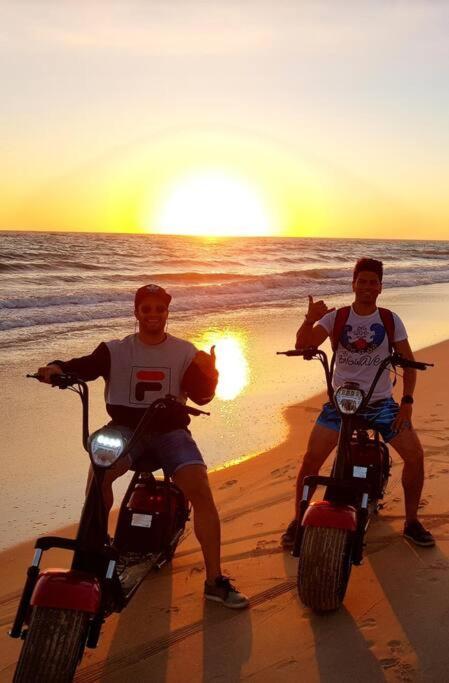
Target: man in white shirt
(364, 340)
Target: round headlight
(106, 446)
(348, 399)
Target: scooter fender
(324, 514)
(67, 589)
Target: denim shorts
(170, 451)
(381, 416)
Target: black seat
(146, 463)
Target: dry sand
(395, 620)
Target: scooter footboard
(325, 514)
(67, 589)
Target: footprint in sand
(263, 544)
(388, 662)
(368, 623)
(286, 663)
(423, 502)
(227, 484)
(280, 471)
(395, 646)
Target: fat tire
(324, 567)
(53, 646)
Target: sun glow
(214, 204)
(231, 361)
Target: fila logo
(145, 383)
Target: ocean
(55, 282)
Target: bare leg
(321, 442)
(194, 483)
(408, 445)
(110, 476)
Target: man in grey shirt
(137, 370)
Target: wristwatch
(407, 398)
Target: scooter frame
(91, 584)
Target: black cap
(151, 290)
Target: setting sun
(212, 203)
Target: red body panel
(325, 514)
(67, 589)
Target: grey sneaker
(417, 534)
(223, 591)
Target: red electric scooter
(61, 611)
(330, 538)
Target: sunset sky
(242, 117)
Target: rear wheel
(53, 646)
(324, 567)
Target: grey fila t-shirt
(141, 373)
(362, 347)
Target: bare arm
(409, 376)
(310, 334)
(404, 416)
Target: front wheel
(324, 567)
(53, 646)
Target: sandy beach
(392, 627)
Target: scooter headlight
(106, 446)
(348, 399)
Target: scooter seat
(146, 463)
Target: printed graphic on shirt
(148, 384)
(362, 339)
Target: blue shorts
(381, 416)
(170, 451)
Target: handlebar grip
(195, 411)
(292, 352)
(308, 353)
(406, 363)
(422, 366)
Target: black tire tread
(324, 568)
(52, 647)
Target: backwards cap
(151, 290)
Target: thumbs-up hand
(206, 361)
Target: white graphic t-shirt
(362, 347)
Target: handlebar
(307, 353)
(74, 383)
(399, 361)
(61, 381)
(395, 359)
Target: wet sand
(394, 622)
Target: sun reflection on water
(231, 361)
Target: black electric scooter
(330, 537)
(61, 611)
